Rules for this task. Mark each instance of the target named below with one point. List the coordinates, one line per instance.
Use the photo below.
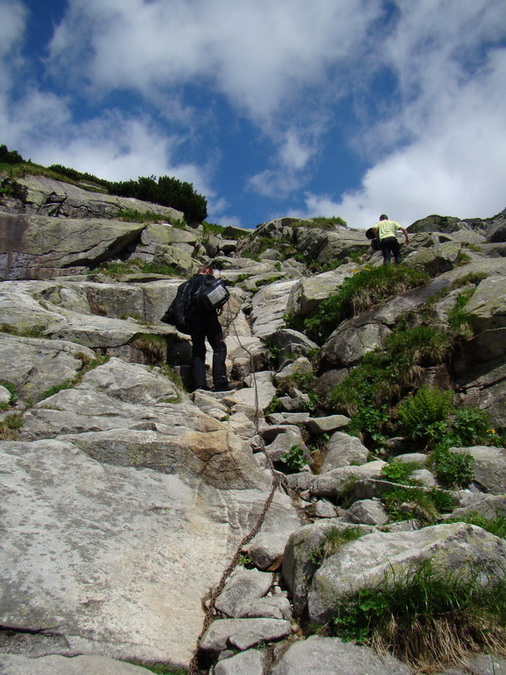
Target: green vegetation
(161, 668)
(9, 426)
(430, 419)
(458, 318)
(164, 190)
(213, 228)
(424, 617)
(119, 270)
(332, 542)
(357, 293)
(9, 156)
(422, 415)
(320, 223)
(294, 458)
(421, 504)
(32, 332)
(384, 376)
(135, 216)
(400, 472)
(452, 469)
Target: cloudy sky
(270, 108)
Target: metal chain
(278, 481)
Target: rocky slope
(125, 498)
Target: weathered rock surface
(13, 664)
(126, 497)
(369, 560)
(332, 656)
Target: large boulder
(489, 467)
(487, 306)
(40, 247)
(368, 562)
(332, 656)
(35, 366)
(436, 259)
(308, 293)
(50, 197)
(269, 306)
(129, 415)
(111, 560)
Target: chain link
(278, 481)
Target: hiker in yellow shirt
(386, 230)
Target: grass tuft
(426, 618)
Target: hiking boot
(224, 387)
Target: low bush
(420, 415)
(452, 469)
(421, 504)
(10, 426)
(294, 459)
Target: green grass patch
(359, 292)
(426, 618)
(332, 542)
(135, 216)
(400, 472)
(10, 426)
(421, 504)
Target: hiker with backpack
(195, 311)
(385, 231)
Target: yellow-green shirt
(387, 228)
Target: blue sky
(270, 108)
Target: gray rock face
(46, 196)
(307, 294)
(243, 633)
(367, 512)
(125, 497)
(124, 541)
(487, 306)
(268, 307)
(242, 588)
(332, 656)
(301, 554)
(436, 259)
(343, 450)
(250, 662)
(350, 342)
(40, 365)
(39, 245)
(14, 664)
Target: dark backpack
(211, 294)
(179, 311)
(374, 241)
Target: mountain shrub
(421, 415)
(452, 469)
(9, 156)
(425, 506)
